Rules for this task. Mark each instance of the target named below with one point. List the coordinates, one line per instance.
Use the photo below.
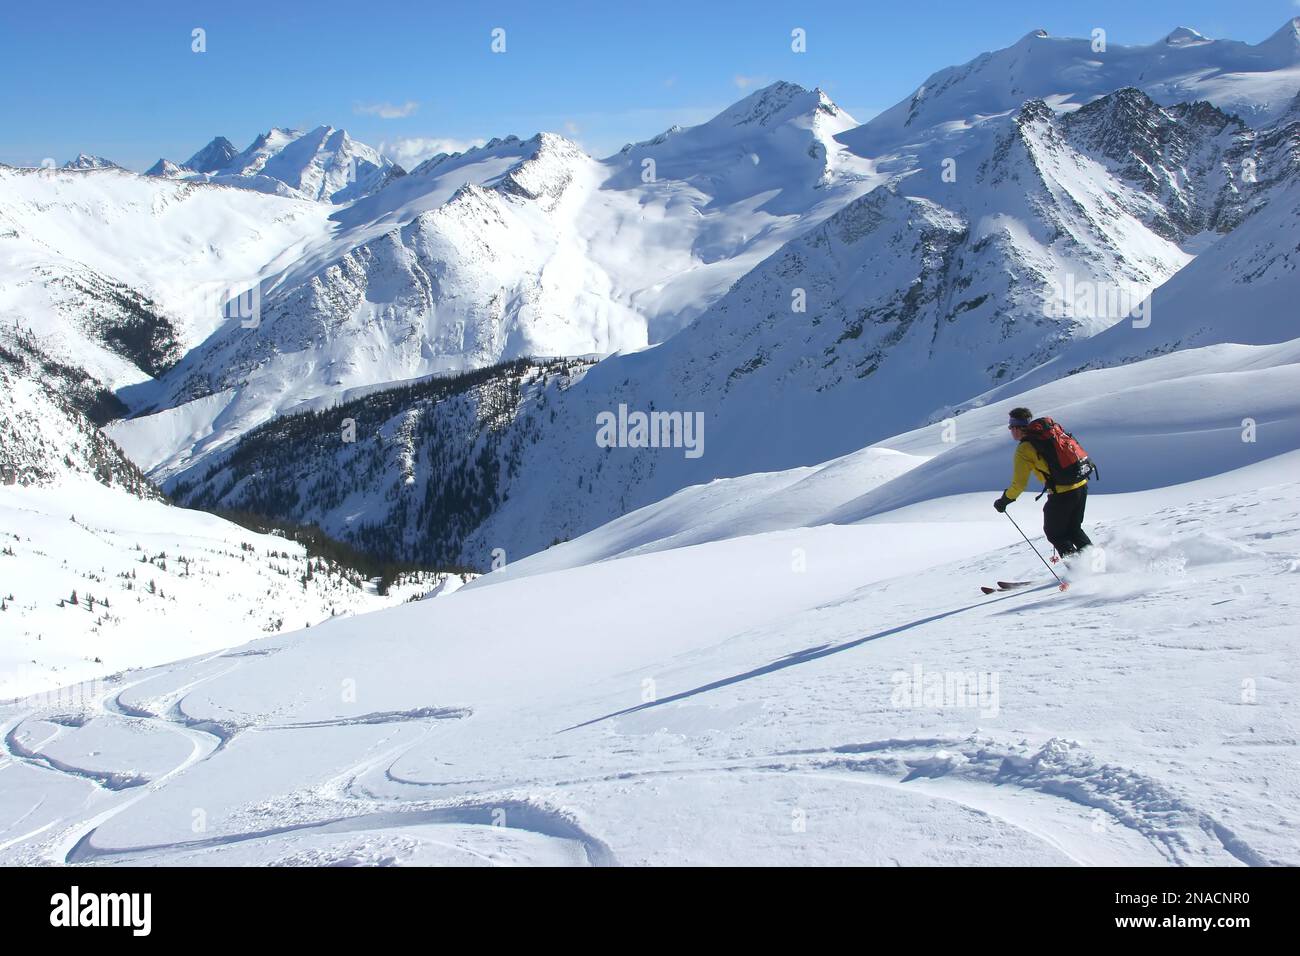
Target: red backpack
(1068, 462)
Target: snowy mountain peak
(1255, 82)
(216, 155)
(1034, 111)
(657, 141)
(86, 161)
(545, 140)
(1129, 124)
(824, 103)
(1127, 107)
(805, 120)
(276, 135)
(263, 148)
(1185, 36)
(428, 166)
(166, 169)
(1283, 47)
(324, 164)
(254, 168)
(773, 104)
(547, 172)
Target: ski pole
(1064, 586)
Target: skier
(1045, 449)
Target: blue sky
(120, 79)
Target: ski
(1005, 586)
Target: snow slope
(420, 473)
(81, 249)
(1169, 420)
(1245, 293)
(176, 583)
(717, 704)
(153, 582)
(48, 415)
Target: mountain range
(807, 283)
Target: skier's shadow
(790, 660)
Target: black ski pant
(1063, 521)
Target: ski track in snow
(75, 844)
(522, 814)
(1057, 769)
(372, 797)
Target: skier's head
(1017, 420)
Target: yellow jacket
(1028, 460)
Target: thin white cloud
(386, 110)
(745, 82)
(410, 151)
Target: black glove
(1001, 504)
